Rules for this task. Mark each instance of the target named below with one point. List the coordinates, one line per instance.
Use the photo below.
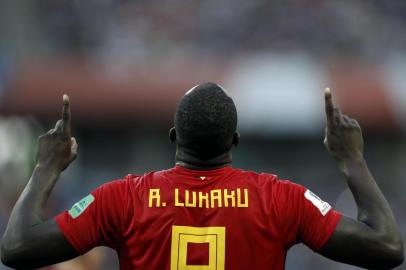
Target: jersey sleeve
(303, 216)
(97, 219)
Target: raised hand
(343, 138)
(57, 148)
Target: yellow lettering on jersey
(211, 199)
(215, 195)
(177, 203)
(239, 199)
(229, 197)
(190, 203)
(204, 198)
(154, 196)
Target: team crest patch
(79, 207)
(323, 206)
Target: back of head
(206, 121)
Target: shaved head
(206, 121)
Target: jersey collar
(202, 173)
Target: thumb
(74, 146)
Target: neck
(187, 160)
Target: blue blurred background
(125, 65)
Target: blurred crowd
(138, 29)
(121, 32)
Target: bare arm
(30, 241)
(373, 240)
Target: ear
(236, 139)
(172, 135)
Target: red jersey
(181, 219)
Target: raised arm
(373, 240)
(30, 241)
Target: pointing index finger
(66, 115)
(329, 106)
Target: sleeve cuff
(335, 219)
(63, 222)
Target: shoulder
(278, 187)
(254, 173)
(136, 181)
(257, 177)
(286, 189)
(266, 183)
(118, 186)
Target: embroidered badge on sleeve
(323, 206)
(79, 207)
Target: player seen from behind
(203, 213)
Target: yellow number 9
(214, 236)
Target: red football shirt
(186, 219)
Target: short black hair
(206, 121)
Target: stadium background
(125, 64)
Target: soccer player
(203, 213)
